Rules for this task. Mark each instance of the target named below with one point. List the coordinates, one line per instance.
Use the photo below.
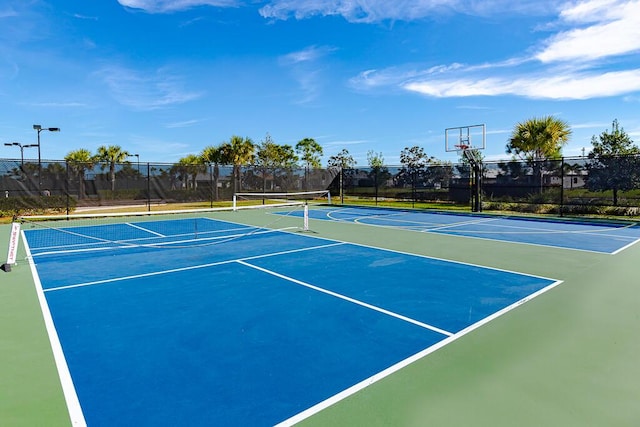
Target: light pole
(39, 129)
(137, 156)
(22, 147)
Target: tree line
(532, 142)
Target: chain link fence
(578, 185)
(58, 186)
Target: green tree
(109, 157)
(79, 162)
(310, 152)
(192, 165)
(614, 163)
(379, 172)
(474, 153)
(239, 152)
(275, 158)
(375, 160)
(215, 156)
(343, 162)
(438, 174)
(414, 162)
(537, 140)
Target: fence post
(66, 185)
(211, 183)
(562, 186)
(148, 187)
(341, 185)
(375, 182)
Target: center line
(346, 298)
(145, 229)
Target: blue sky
(166, 78)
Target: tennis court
(242, 318)
(596, 237)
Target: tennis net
(275, 198)
(85, 232)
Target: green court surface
(565, 358)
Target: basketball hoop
(461, 148)
(459, 139)
(470, 153)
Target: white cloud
(561, 86)
(183, 124)
(306, 68)
(394, 76)
(346, 142)
(590, 11)
(164, 6)
(598, 30)
(590, 125)
(367, 11)
(145, 91)
(85, 17)
(309, 54)
(614, 29)
(8, 13)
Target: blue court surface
(205, 322)
(585, 236)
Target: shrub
(35, 205)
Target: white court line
(459, 224)
(406, 362)
(625, 247)
(330, 215)
(349, 299)
(602, 231)
(313, 410)
(144, 229)
(68, 389)
(460, 234)
(193, 267)
(514, 242)
(363, 245)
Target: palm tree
(239, 152)
(539, 139)
(215, 156)
(193, 165)
(79, 162)
(110, 156)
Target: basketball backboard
(465, 138)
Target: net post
(235, 205)
(305, 226)
(12, 252)
(328, 197)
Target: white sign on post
(14, 239)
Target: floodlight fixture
(38, 129)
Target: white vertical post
(306, 217)
(12, 254)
